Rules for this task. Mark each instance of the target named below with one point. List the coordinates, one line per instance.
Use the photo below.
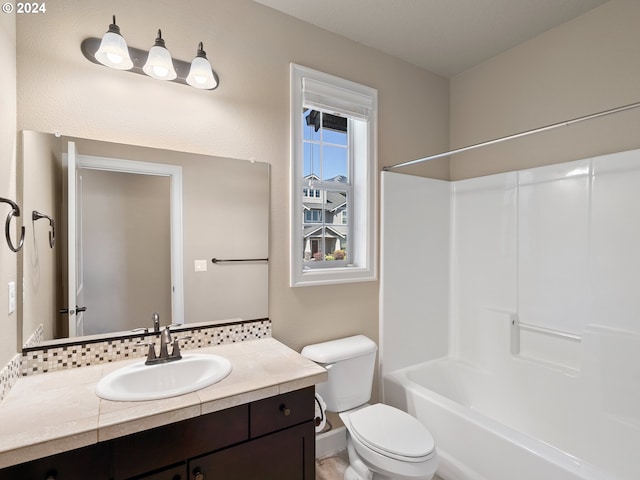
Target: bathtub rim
(537, 447)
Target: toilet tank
(350, 362)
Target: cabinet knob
(286, 411)
(50, 476)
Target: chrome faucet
(165, 340)
(164, 356)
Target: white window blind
(331, 98)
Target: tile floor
(332, 467)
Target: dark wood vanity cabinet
(280, 455)
(273, 438)
(88, 462)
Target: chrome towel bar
(220, 260)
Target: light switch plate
(12, 297)
(200, 265)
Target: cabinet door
(286, 455)
(87, 462)
(147, 451)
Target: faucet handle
(151, 354)
(175, 351)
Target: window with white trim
(333, 165)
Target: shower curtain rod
(514, 136)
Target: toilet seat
(392, 433)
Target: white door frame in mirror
(174, 172)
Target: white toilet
(382, 441)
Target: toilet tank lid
(341, 349)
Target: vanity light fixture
(201, 73)
(112, 51)
(159, 63)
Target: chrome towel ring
(15, 212)
(52, 233)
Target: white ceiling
(443, 36)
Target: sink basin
(138, 381)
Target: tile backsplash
(37, 360)
(9, 374)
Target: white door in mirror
(137, 381)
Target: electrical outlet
(12, 297)
(200, 265)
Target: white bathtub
(488, 427)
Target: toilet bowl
(383, 442)
(390, 443)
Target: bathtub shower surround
(486, 428)
(543, 370)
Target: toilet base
(358, 470)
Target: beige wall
(585, 66)
(37, 190)
(8, 262)
(251, 48)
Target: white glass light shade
(159, 62)
(201, 75)
(113, 52)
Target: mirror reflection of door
(75, 299)
(126, 250)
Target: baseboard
(330, 442)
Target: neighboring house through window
(333, 164)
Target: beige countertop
(55, 412)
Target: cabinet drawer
(275, 413)
(146, 451)
(173, 473)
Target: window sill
(331, 276)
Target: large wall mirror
(121, 232)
